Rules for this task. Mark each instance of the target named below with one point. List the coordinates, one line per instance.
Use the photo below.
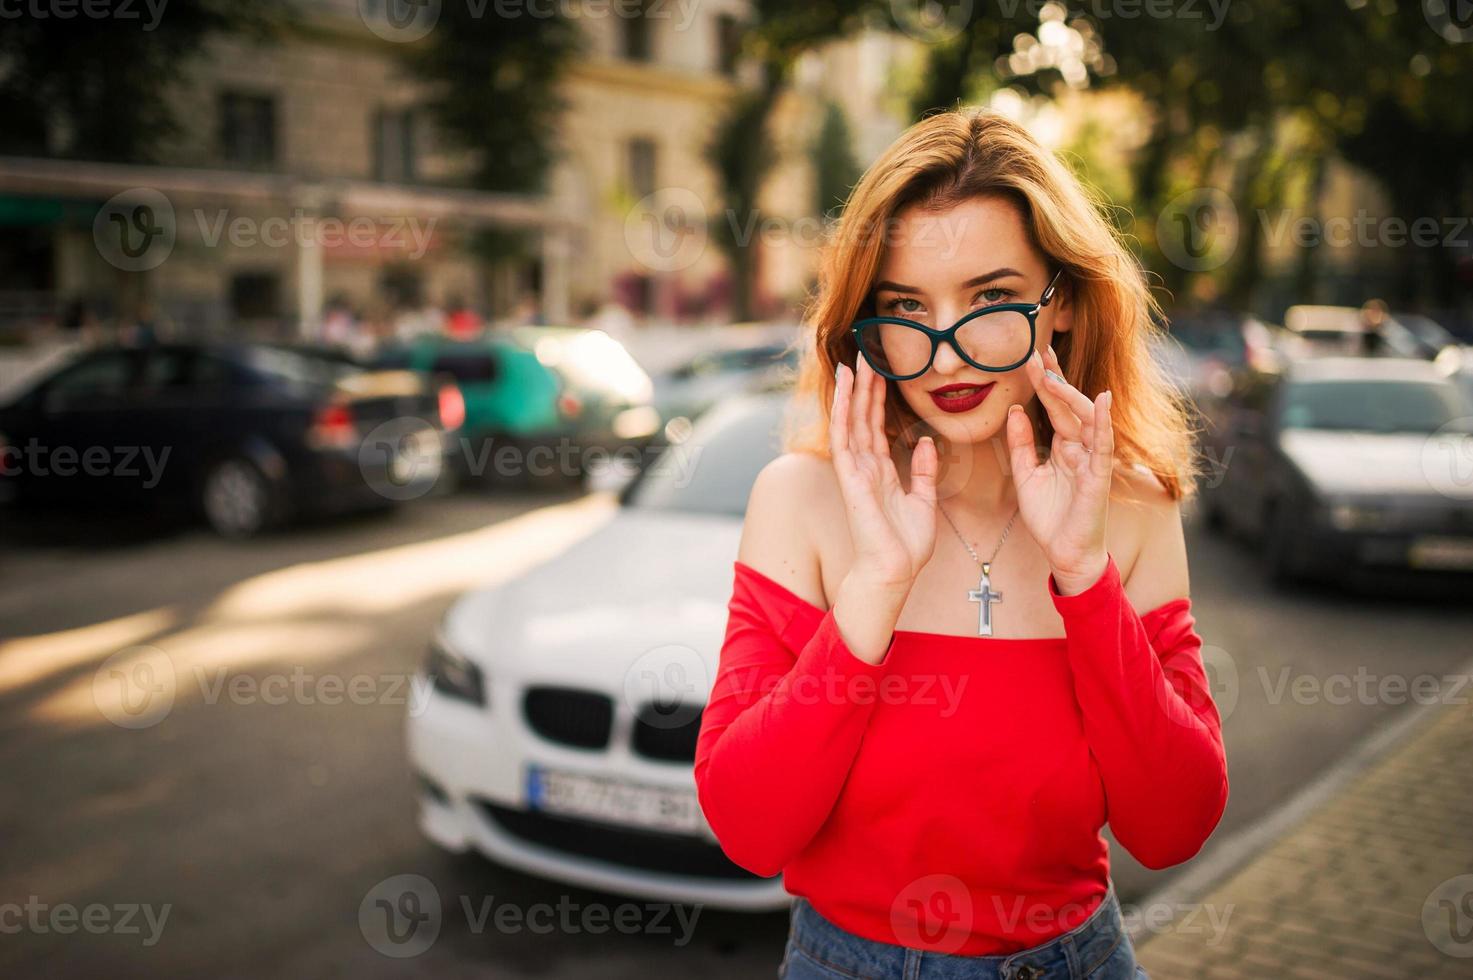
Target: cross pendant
(984, 597)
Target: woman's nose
(947, 361)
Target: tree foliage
(98, 88)
(1254, 103)
(493, 89)
(741, 149)
(836, 170)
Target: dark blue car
(245, 435)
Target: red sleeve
(782, 726)
(1148, 717)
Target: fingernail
(837, 368)
(1109, 398)
(1057, 377)
(1051, 352)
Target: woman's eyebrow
(885, 285)
(1002, 273)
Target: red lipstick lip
(962, 404)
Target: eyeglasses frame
(937, 337)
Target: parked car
(246, 435)
(689, 389)
(1424, 335)
(542, 746)
(1340, 331)
(1460, 362)
(1211, 348)
(536, 386)
(1333, 467)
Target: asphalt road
(239, 833)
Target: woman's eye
(905, 304)
(996, 294)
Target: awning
(47, 184)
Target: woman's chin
(963, 428)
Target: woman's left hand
(1064, 500)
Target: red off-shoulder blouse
(951, 797)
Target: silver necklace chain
(985, 565)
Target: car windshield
(588, 359)
(393, 359)
(298, 366)
(1425, 328)
(712, 472)
(1219, 333)
(1371, 405)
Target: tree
(741, 153)
(494, 93)
(1255, 104)
(98, 88)
(835, 168)
(741, 150)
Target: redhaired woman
(960, 640)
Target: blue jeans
(1096, 949)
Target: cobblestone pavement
(1375, 883)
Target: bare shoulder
(1146, 531)
(793, 499)
(1139, 490)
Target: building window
(394, 146)
(641, 175)
(638, 40)
(402, 286)
(255, 296)
(248, 129)
(728, 44)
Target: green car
(566, 393)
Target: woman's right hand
(894, 531)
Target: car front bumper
(472, 763)
(1329, 552)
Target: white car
(561, 731)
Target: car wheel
(236, 498)
(1281, 546)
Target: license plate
(417, 458)
(614, 801)
(1442, 553)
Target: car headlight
(1358, 517)
(453, 675)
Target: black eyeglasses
(994, 338)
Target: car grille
(626, 847)
(584, 720)
(581, 719)
(667, 733)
